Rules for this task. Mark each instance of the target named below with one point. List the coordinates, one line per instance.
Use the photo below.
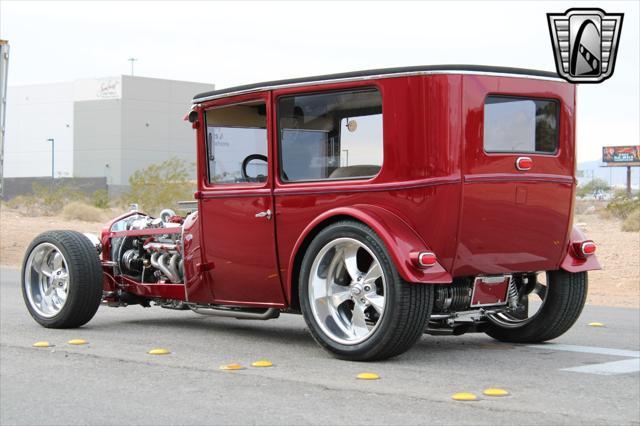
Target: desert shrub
(26, 204)
(585, 207)
(45, 200)
(78, 210)
(622, 205)
(52, 198)
(632, 222)
(100, 199)
(160, 186)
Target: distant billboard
(621, 155)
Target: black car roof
(376, 72)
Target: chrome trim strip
(507, 177)
(372, 77)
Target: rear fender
(572, 262)
(398, 237)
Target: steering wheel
(246, 162)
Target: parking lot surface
(590, 375)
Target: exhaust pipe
(173, 267)
(168, 269)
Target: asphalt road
(113, 380)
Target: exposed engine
(150, 258)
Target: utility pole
(53, 159)
(132, 60)
(4, 68)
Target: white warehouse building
(106, 127)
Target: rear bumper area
(573, 262)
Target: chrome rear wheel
(562, 295)
(347, 290)
(531, 304)
(354, 301)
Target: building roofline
(376, 73)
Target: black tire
(85, 279)
(565, 298)
(407, 306)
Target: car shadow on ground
(205, 325)
(292, 330)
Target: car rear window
(520, 125)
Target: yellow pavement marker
(159, 351)
(77, 342)
(231, 367)
(368, 376)
(495, 392)
(596, 324)
(464, 396)
(42, 344)
(262, 363)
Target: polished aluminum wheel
(46, 280)
(347, 291)
(538, 296)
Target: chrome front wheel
(46, 280)
(347, 290)
(62, 279)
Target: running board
(239, 313)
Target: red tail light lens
(587, 248)
(584, 249)
(426, 259)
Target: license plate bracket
(490, 291)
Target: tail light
(424, 259)
(585, 249)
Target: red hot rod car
(380, 204)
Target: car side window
(237, 143)
(520, 125)
(330, 136)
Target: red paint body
(437, 191)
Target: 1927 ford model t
(381, 205)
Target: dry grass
(632, 222)
(77, 210)
(618, 283)
(18, 230)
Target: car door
(236, 203)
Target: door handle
(266, 213)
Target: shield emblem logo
(585, 43)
